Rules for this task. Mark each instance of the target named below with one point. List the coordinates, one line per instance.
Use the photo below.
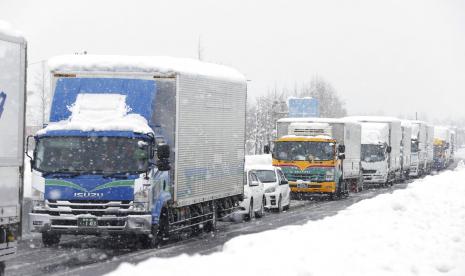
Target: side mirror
(266, 149)
(163, 154)
(254, 183)
(389, 149)
(163, 151)
(284, 182)
(341, 148)
(27, 147)
(342, 156)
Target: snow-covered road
(96, 256)
(416, 231)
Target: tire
(210, 226)
(251, 213)
(261, 213)
(50, 239)
(280, 204)
(2, 268)
(288, 206)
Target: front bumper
(312, 187)
(373, 178)
(67, 224)
(271, 200)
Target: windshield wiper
(116, 175)
(62, 173)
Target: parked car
(276, 186)
(253, 204)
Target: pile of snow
(416, 231)
(148, 64)
(7, 30)
(261, 160)
(100, 112)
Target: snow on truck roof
(100, 112)
(143, 64)
(383, 119)
(7, 30)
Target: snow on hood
(7, 30)
(375, 133)
(419, 230)
(150, 64)
(100, 112)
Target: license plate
(301, 185)
(87, 222)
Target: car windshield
(91, 155)
(373, 153)
(265, 176)
(301, 151)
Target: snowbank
(416, 231)
(149, 64)
(100, 112)
(7, 30)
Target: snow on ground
(419, 230)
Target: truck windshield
(265, 176)
(92, 155)
(414, 146)
(304, 151)
(373, 153)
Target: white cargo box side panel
(10, 180)
(396, 136)
(210, 135)
(406, 146)
(12, 99)
(352, 142)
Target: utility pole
(416, 115)
(200, 49)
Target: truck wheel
(210, 226)
(50, 239)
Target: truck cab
(311, 160)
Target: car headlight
(329, 175)
(270, 190)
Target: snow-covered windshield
(301, 151)
(373, 153)
(265, 176)
(91, 155)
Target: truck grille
(94, 207)
(368, 171)
(306, 177)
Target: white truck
(419, 149)
(301, 173)
(429, 148)
(381, 155)
(12, 116)
(405, 148)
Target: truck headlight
(141, 200)
(141, 206)
(270, 190)
(38, 203)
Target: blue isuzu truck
(143, 146)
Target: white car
(253, 203)
(277, 190)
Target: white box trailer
(405, 147)
(346, 133)
(380, 134)
(419, 150)
(429, 147)
(12, 116)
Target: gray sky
(394, 57)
